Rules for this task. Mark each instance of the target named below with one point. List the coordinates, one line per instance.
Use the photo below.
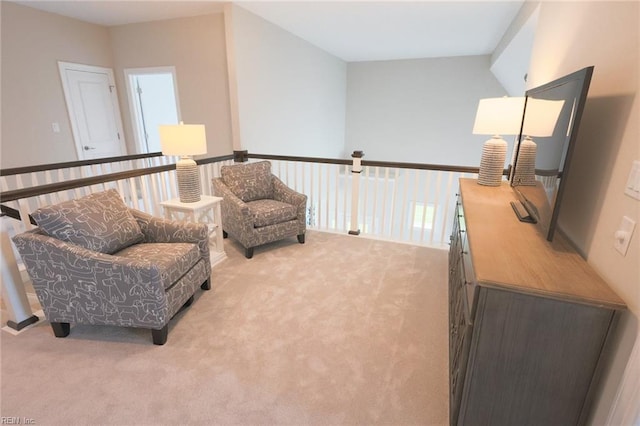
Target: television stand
(523, 213)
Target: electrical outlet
(623, 235)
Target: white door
(92, 104)
(153, 100)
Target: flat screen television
(540, 188)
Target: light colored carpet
(339, 331)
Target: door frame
(63, 67)
(138, 133)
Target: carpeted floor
(339, 331)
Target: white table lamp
(496, 116)
(541, 116)
(185, 140)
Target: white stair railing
(391, 201)
(142, 191)
(397, 202)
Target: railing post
(240, 156)
(355, 191)
(13, 293)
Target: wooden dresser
(529, 320)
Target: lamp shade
(183, 139)
(541, 117)
(499, 116)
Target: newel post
(13, 292)
(240, 156)
(356, 169)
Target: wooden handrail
(93, 180)
(391, 164)
(79, 163)
(17, 194)
(419, 166)
(215, 159)
(13, 213)
(301, 159)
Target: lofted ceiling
(356, 30)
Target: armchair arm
(159, 230)
(79, 285)
(236, 217)
(282, 192)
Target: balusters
(365, 198)
(397, 203)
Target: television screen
(546, 141)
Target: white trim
(63, 67)
(625, 409)
(232, 75)
(128, 73)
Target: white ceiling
(117, 12)
(365, 30)
(356, 30)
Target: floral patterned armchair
(95, 261)
(257, 207)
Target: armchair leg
(188, 302)
(160, 336)
(224, 234)
(61, 329)
(206, 285)
(301, 238)
(248, 253)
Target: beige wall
(32, 98)
(570, 36)
(405, 110)
(34, 41)
(196, 47)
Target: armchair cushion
(99, 222)
(172, 259)
(271, 212)
(249, 181)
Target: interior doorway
(92, 104)
(153, 100)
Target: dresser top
(514, 255)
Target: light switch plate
(633, 183)
(623, 235)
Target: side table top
(205, 201)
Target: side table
(207, 211)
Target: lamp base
(494, 152)
(188, 180)
(525, 172)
